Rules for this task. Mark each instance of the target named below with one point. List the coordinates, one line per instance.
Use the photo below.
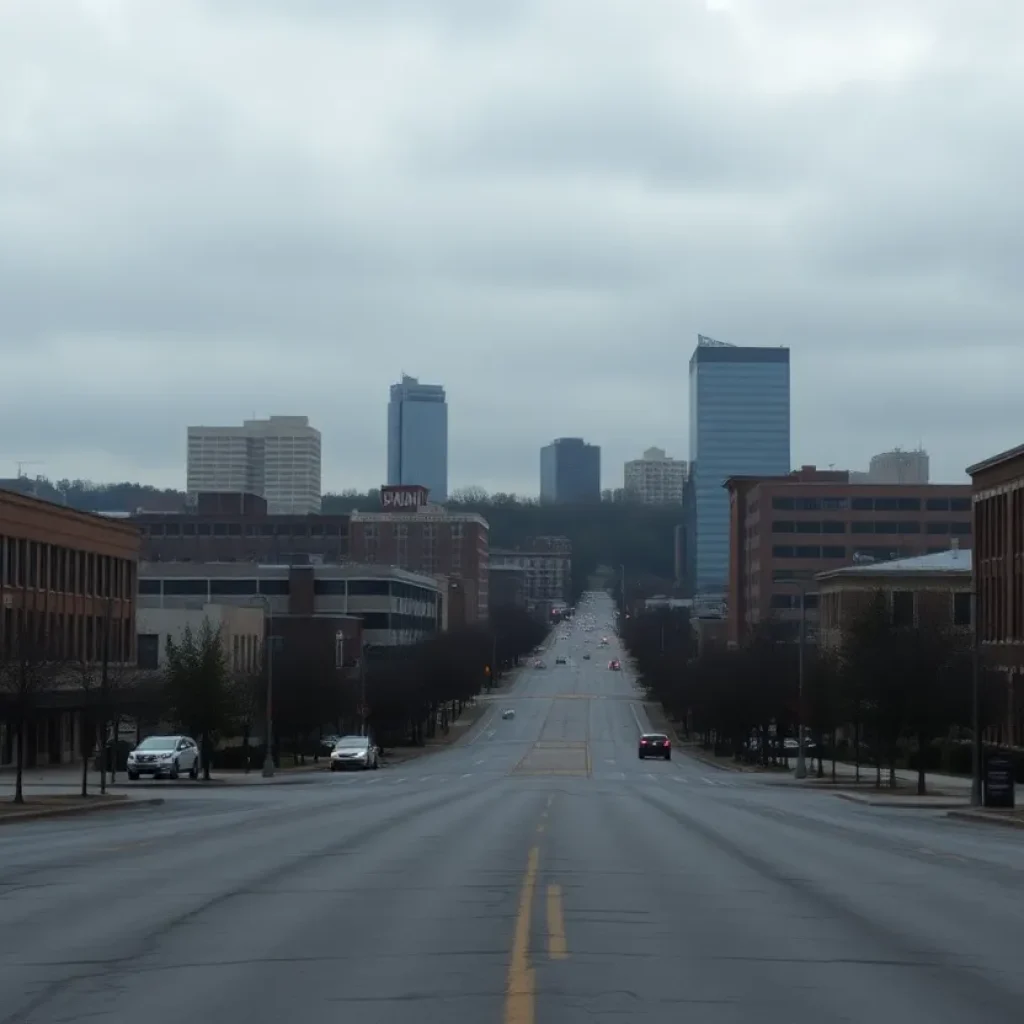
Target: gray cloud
(210, 210)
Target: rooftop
(955, 560)
(994, 460)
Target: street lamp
(801, 756)
(268, 755)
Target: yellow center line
(519, 986)
(557, 949)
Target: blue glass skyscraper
(739, 426)
(418, 437)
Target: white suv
(166, 756)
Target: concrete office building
(570, 472)
(739, 426)
(277, 459)
(655, 479)
(418, 437)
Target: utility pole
(801, 756)
(268, 756)
(104, 694)
(977, 753)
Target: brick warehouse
(785, 530)
(66, 576)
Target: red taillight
(668, 743)
(643, 743)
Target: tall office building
(418, 437)
(276, 458)
(655, 479)
(739, 426)
(570, 472)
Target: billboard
(403, 496)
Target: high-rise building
(418, 437)
(570, 472)
(739, 426)
(277, 459)
(655, 479)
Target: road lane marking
(551, 799)
(519, 985)
(468, 775)
(540, 827)
(557, 949)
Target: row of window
(74, 638)
(202, 528)
(281, 588)
(903, 608)
(877, 526)
(39, 566)
(866, 504)
(875, 552)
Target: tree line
(409, 693)
(888, 695)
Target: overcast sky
(210, 210)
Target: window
(782, 601)
(959, 504)
(234, 529)
(962, 609)
(149, 587)
(938, 528)
(375, 620)
(220, 529)
(960, 528)
(329, 588)
(902, 608)
(859, 527)
(886, 504)
(782, 551)
(937, 504)
(887, 527)
(186, 588)
(910, 526)
(862, 504)
(203, 529)
(783, 526)
(808, 526)
(833, 551)
(149, 650)
(909, 504)
(782, 504)
(807, 504)
(808, 552)
(235, 588)
(834, 504)
(811, 601)
(369, 588)
(274, 588)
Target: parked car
(164, 757)
(508, 713)
(354, 752)
(560, 660)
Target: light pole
(976, 746)
(801, 755)
(268, 755)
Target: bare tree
(85, 676)
(26, 674)
(248, 690)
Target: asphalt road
(537, 872)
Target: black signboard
(999, 783)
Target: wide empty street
(537, 871)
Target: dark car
(614, 665)
(655, 744)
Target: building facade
(570, 472)
(655, 479)
(934, 589)
(278, 459)
(241, 633)
(432, 541)
(786, 530)
(418, 437)
(508, 586)
(238, 528)
(395, 608)
(997, 486)
(739, 426)
(547, 565)
(67, 589)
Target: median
(35, 807)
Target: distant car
(164, 756)
(354, 752)
(614, 665)
(560, 660)
(539, 664)
(586, 655)
(508, 713)
(655, 744)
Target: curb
(70, 812)
(909, 803)
(985, 818)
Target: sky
(214, 209)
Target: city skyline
(555, 274)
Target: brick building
(236, 527)
(428, 539)
(929, 588)
(68, 579)
(785, 530)
(997, 485)
(547, 562)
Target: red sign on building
(402, 496)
